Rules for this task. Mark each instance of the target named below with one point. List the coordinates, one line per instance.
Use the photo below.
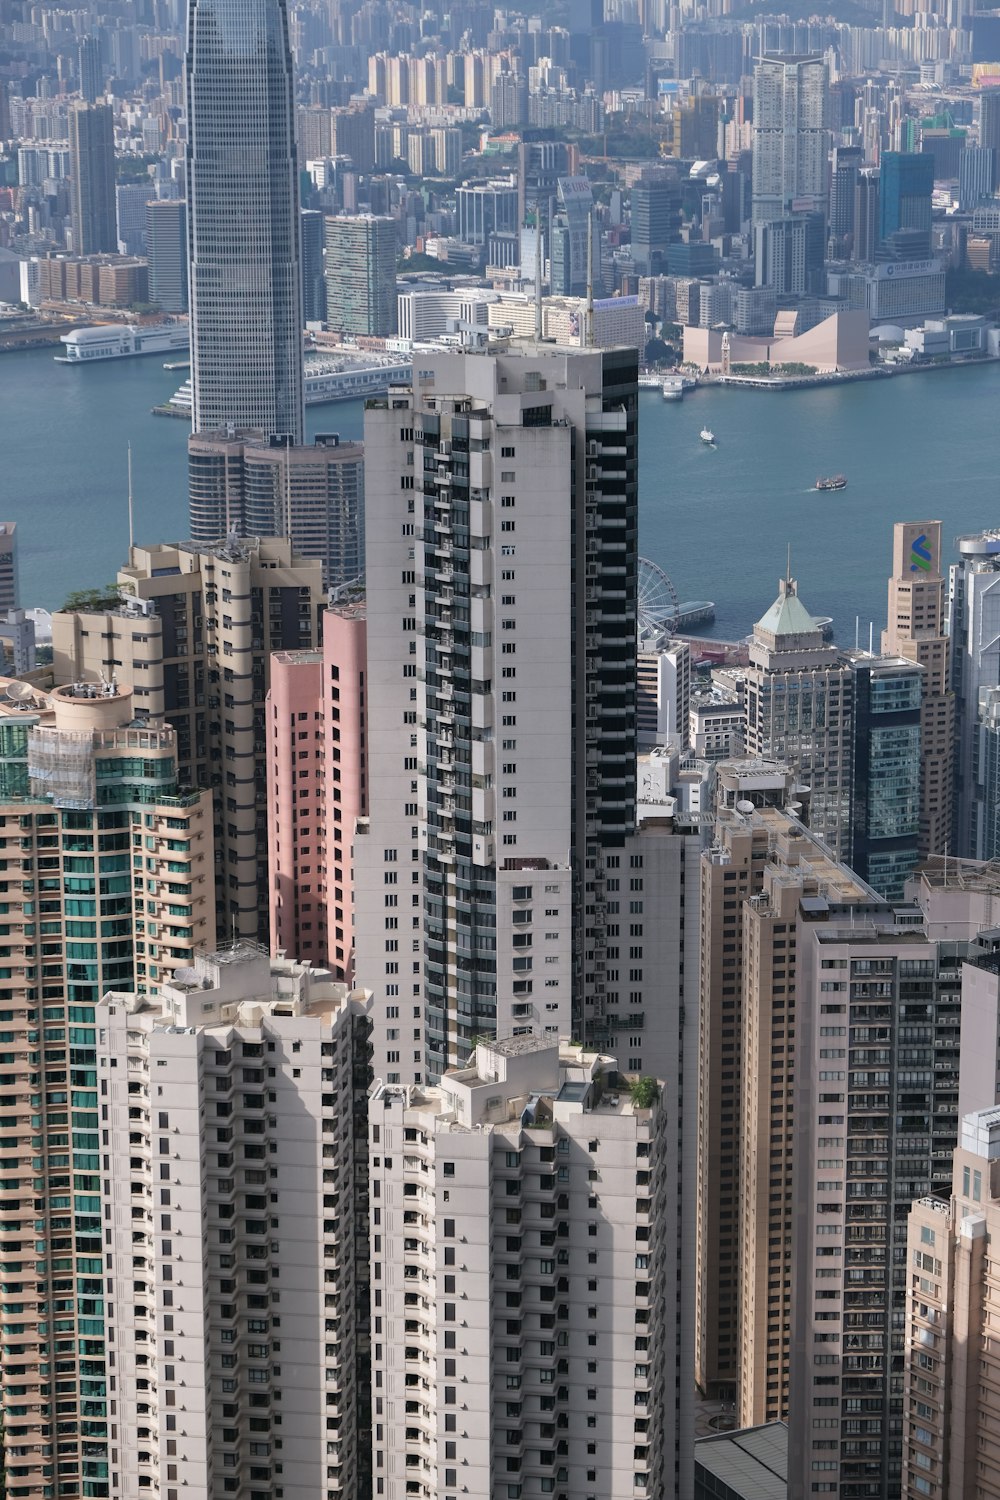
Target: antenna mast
(131, 514)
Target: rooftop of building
(751, 1463)
(787, 615)
(943, 871)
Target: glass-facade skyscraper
(243, 218)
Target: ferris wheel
(657, 604)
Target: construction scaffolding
(62, 768)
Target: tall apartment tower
(236, 1288)
(974, 649)
(790, 136)
(989, 127)
(316, 790)
(167, 252)
(952, 1304)
(194, 641)
(361, 275)
(522, 1281)
(879, 1027)
(798, 710)
(92, 165)
(91, 68)
(258, 486)
(243, 218)
(916, 631)
(9, 591)
(888, 771)
(762, 864)
(501, 572)
(108, 870)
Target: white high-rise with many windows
(243, 218)
(790, 136)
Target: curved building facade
(243, 220)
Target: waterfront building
(250, 485)
(108, 280)
(243, 218)
(974, 646)
(558, 1309)
(952, 1302)
(130, 214)
(788, 254)
(799, 710)
(92, 165)
(425, 315)
(889, 771)
(790, 138)
(84, 783)
(879, 1023)
(481, 795)
(166, 250)
(989, 129)
(361, 275)
(763, 862)
(905, 187)
(192, 638)
(916, 631)
(237, 1223)
(316, 790)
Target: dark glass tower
(243, 218)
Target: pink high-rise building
(316, 765)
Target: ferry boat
(832, 482)
(330, 379)
(649, 380)
(121, 341)
(708, 437)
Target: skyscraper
(916, 631)
(974, 672)
(243, 218)
(83, 783)
(91, 69)
(92, 164)
(500, 696)
(313, 494)
(361, 275)
(313, 285)
(790, 137)
(237, 1217)
(530, 1280)
(989, 127)
(167, 252)
(798, 709)
(887, 771)
(905, 187)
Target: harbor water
(718, 520)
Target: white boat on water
(708, 436)
(121, 341)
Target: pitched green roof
(788, 615)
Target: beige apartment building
(762, 865)
(235, 1202)
(107, 882)
(951, 1401)
(916, 631)
(192, 640)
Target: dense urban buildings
(250, 484)
(243, 219)
(192, 635)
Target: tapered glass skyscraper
(243, 219)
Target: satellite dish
(19, 692)
(745, 807)
(187, 976)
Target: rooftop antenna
(857, 631)
(538, 276)
(588, 317)
(871, 637)
(788, 565)
(131, 514)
